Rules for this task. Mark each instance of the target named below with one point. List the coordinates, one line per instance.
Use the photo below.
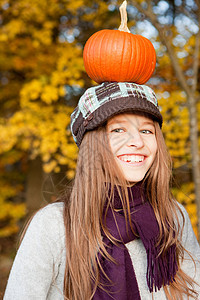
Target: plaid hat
(101, 102)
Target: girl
(120, 235)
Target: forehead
(129, 117)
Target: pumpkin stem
(123, 13)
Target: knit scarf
(120, 282)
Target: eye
(147, 131)
(119, 130)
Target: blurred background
(42, 77)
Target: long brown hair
(83, 212)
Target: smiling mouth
(131, 158)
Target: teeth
(132, 158)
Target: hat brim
(115, 107)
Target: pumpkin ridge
(122, 57)
(148, 62)
(108, 68)
(116, 71)
(87, 56)
(107, 47)
(131, 58)
(111, 65)
(126, 56)
(137, 62)
(97, 55)
(151, 63)
(94, 57)
(132, 69)
(140, 58)
(148, 72)
(103, 71)
(143, 59)
(97, 62)
(114, 65)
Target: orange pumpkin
(115, 55)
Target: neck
(136, 194)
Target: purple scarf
(160, 269)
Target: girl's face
(133, 143)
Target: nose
(135, 140)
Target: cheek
(111, 144)
(117, 142)
(151, 144)
(114, 141)
(113, 147)
(154, 147)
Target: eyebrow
(118, 121)
(127, 121)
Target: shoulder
(40, 259)
(51, 212)
(49, 217)
(183, 217)
(47, 228)
(191, 262)
(182, 208)
(188, 237)
(182, 214)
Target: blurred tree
(177, 27)
(42, 76)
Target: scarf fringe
(160, 270)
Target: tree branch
(167, 42)
(196, 62)
(190, 92)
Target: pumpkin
(118, 55)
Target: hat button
(90, 117)
(85, 123)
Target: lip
(136, 154)
(132, 163)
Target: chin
(133, 179)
